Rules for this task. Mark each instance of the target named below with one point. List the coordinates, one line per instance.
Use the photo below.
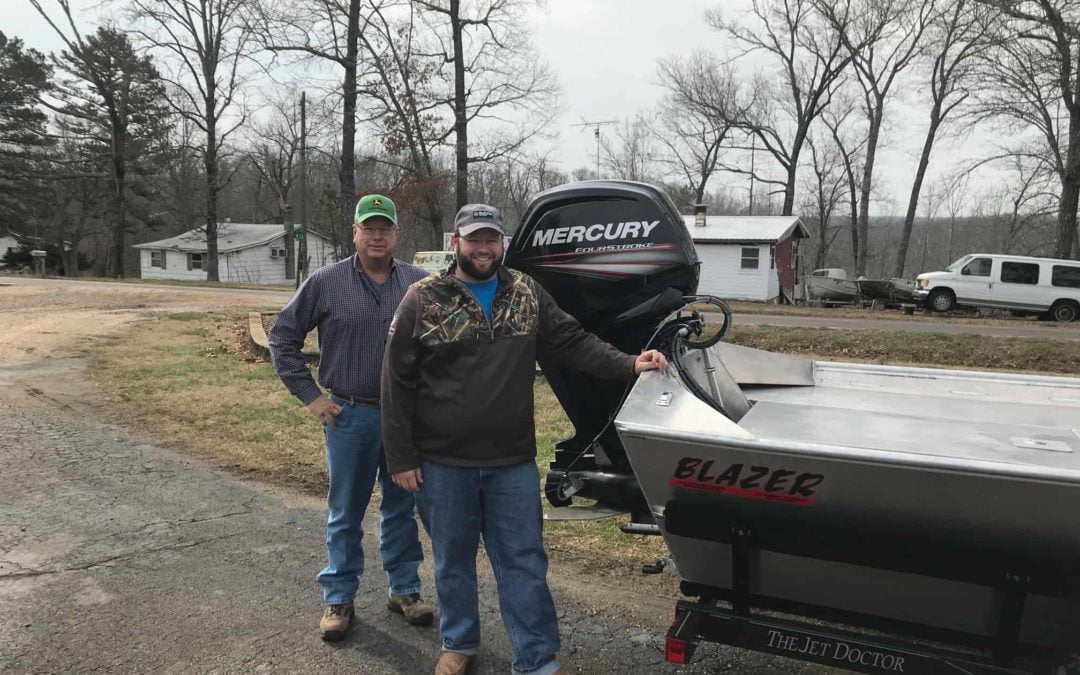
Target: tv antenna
(596, 124)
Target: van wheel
(1065, 310)
(941, 300)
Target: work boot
(452, 663)
(415, 610)
(336, 621)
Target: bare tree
(827, 185)
(403, 101)
(958, 35)
(810, 58)
(883, 38)
(494, 71)
(208, 43)
(703, 86)
(1035, 83)
(693, 139)
(329, 31)
(851, 151)
(631, 153)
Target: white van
(1020, 283)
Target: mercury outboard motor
(616, 256)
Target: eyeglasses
(371, 231)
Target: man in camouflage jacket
(457, 395)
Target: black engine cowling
(617, 256)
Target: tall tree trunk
(120, 226)
(347, 175)
(916, 188)
(210, 164)
(1070, 192)
(461, 124)
(864, 197)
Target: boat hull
(875, 517)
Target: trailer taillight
(676, 650)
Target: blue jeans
(458, 505)
(354, 455)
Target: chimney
(700, 210)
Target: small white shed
(248, 253)
(747, 257)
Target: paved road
(120, 555)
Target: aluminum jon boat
(874, 518)
(939, 500)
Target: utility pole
(596, 132)
(753, 154)
(302, 254)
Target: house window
(1066, 276)
(196, 261)
(1019, 273)
(750, 255)
(772, 257)
(157, 259)
(276, 252)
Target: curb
(260, 344)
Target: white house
(247, 253)
(747, 257)
(9, 241)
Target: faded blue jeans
(354, 455)
(458, 505)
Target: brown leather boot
(336, 621)
(452, 663)
(415, 610)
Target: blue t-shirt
(484, 292)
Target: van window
(979, 267)
(1066, 276)
(1019, 273)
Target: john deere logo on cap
(376, 202)
(480, 213)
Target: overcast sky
(605, 53)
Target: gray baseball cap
(473, 217)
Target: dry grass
(187, 379)
(183, 282)
(767, 308)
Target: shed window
(157, 259)
(1019, 273)
(276, 252)
(196, 261)
(750, 256)
(1066, 276)
(772, 257)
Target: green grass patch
(926, 349)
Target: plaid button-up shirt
(353, 315)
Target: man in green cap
(352, 303)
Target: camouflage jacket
(458, 389)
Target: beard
(469, 268)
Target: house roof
(743, 229)
(231, 237)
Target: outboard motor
(617, 256)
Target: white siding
(246, 266)
(721, 273)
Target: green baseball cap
(375, 205)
